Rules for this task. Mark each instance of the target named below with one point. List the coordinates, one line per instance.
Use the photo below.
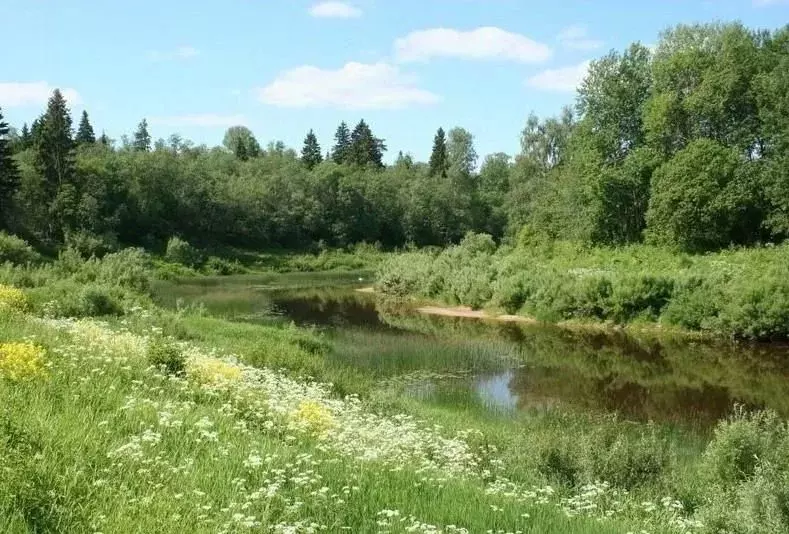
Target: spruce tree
(365, 147)
(25, 137)
(9, 174)
(104, 140)
(142, 139)
(85, 133)
(54, 161)
(311, 153)
(342, 144)
(241, 149)
(53, 143)
(438, 158)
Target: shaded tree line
(685, 146)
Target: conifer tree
(25, 137)
(365, 147)
(342, 144)
(311, 153)
(104, 140)
(9, 174)
(438, 158)
(241, 149)
(54, 144)
(85, 134)
(142, 139)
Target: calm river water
(505, 367)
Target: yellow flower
(314, 415)
(22, 361)
(12, 299)
(211, 370)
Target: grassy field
(148, 420)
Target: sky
(283, 67)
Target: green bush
(180, 251)
(68, 298)
(17, 251)
(166, 355)
(746, 474)
(220, 266)
(89, 245)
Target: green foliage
(16, 250)
(241, 142)
(89, 244)
(142, 139)
(9, 174)
(438, 157)
(165, 354)
(697, 198)
(746, 468)
(559, 281)
(85, 134)
(180, 251)
(311, 154)
(73, 298)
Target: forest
(682, 146)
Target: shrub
(215, 265)
(16, 250)
(88, 244)
(167, 356)
(640, 295)
(12, 299)
(68, 298)
(180, 251)
(746, 472)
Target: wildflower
(12, 299)
(314, 415)
(211, 371)
(21, 361)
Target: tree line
(682, 146)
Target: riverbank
(187, 418)
(740, 294)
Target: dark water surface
(506, 367)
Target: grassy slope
(90, 449)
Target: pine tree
(142, 139)
(25, 137)
(85, 133)
(342, 144)
(9, 174)
(104, 140)
(438, 158)
(311, 153)
(365, 147)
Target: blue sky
(284, 66)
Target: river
(505, 367)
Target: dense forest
(683, 145)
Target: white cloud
(20, 94)
(564, 79)
(485, 43)
(182, 52)
(354, 86)
(204, 119)
(577, 38)
(335, 10)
